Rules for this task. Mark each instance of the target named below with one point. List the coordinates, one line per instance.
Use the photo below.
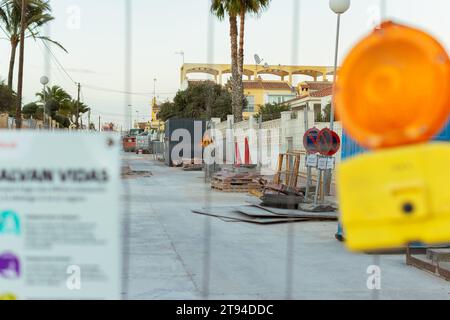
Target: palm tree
(37, 14)
(54, 93)
(220, 8)
(253, 7)
(56, 99)
(235, 8)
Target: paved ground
(167, 250)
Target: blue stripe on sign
(350, 148)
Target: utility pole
(21, 61)
(154, 93)
(99, 120)
(78, 106)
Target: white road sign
(326, 163)
(322, 163)
(311, 160)
(59, 216)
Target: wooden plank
(441, 255)
(295, 172)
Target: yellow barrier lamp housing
(394, 197)
(393, 95)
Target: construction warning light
(206, 142)
(394, 88)
(393, 96)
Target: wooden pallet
(236, 189)
(285, 169)
(433, 260)
(234, 183)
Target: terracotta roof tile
(325, 92)
(267, 85)
(318, 85)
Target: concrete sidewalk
(167, 250)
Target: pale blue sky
(162, 27)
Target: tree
(271, 111)
(60, 105)
(8, 99)
(37, 14)
(220, 8)
(246, 7)
(32, 110)
(200, 101)
(235, 8)
(56, 98)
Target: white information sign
(331, 163)
(322, 163)
(326, 163)
(311, 160)
(59, 216)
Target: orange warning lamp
(206, 141)
(394, 88)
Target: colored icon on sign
(9, 266)
(9, 223)
(7, 297)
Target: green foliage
(220, 8)
(200, 101)
(32, 110)
(58, 104)
(8, 99)
(271, 111)
(326, 116)
(38, 13)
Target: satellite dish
(266, 65)
(257, 59)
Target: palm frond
(56, 43)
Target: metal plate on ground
(264, 215)
(300, 213)
(230, 214)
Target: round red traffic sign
(328, 142)
(310, 140)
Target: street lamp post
(154, 98)
(44, 81)
(339, 7)
(181, 53)
(131, 116)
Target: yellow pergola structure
(253, 71)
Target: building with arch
(258, 90)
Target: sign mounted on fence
(59, 216)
